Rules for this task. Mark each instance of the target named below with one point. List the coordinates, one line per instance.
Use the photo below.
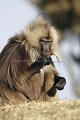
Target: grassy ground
(61, 110)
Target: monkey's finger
(61, 84)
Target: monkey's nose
(47, 51)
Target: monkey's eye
(45, 40)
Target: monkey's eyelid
(44, 40)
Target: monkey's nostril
(47, 51)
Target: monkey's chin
(45, 54)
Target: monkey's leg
(60, 82)
(37, 65)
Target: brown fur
(21, 51)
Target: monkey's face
(45, 46)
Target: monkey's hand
(37, 65)
(60, 82)
(44, 61)
(41, 62)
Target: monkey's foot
(61, 83)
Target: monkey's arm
(59, 82)
(37, 65)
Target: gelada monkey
(27, 71)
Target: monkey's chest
(39, 84)
(34, 85)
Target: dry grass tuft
(61, 110)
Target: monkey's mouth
(45, 53)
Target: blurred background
(65, 16)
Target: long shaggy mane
(23, 49)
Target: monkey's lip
(45, 54)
